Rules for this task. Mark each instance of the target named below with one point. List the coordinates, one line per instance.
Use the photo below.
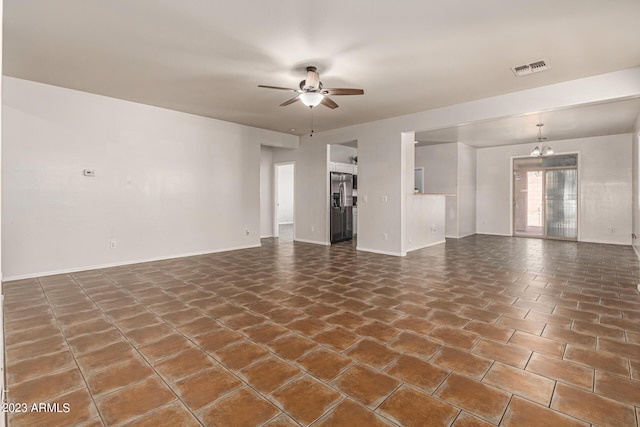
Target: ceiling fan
(312, 93)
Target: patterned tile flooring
(480, 331)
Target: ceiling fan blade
(291, 101)
(279, 88)
(327, 102)
(343, 91)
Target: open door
(284, 201)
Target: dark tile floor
(480, 331)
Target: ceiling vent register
(534, 67)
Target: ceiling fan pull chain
(311, 135)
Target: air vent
(534, 67)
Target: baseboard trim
(466, 235)
(428, 245)
(123, 263)
(460, 237)
(602, 242)
(267, 236)
(636, 250)
(313, 242)
(377, 251)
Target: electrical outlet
(384, 199)
(313, 228)
(246, 231)
(384, 236)
(89, 172)
(113, 244)
(364, 199)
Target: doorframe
(579, 204)
(276, 228)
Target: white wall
(466, 190)
(380, 191)
(423, 215)
(167, 183)
(285, 193)
(2, 416)
(266, 192)
(440, 163)
(636, 185)
(604, 187)
(311, 193)
(425, 221)
(451, 169)
(342, 153)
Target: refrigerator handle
(343, 195)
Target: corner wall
(2, 416)
(266, 192)
(636, 186)
(451, 169)
(311, 192)
(167, 184)
(466, 194)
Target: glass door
(545, 197)
(561, 203)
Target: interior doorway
(284, 223)
(545, 197)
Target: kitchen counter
(426, 220)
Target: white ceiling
(610, 118)
(207, 57)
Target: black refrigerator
(341, 185)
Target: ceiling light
(311, 99)
(546, 150)
(535, 152)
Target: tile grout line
(75, 360)
(225, 367)
(133, 346)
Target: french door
(545, 197)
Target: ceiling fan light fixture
(547, 151)
(311, 99)
(536, 152)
